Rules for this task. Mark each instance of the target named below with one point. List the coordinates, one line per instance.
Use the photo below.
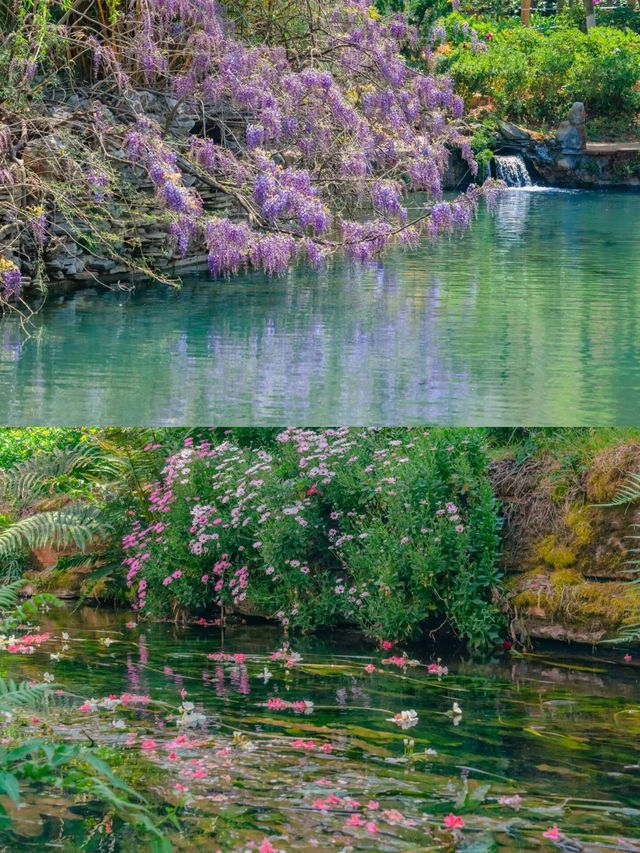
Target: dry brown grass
(528, 508)
(608, 470)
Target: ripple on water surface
(308, 754)
(530, 317)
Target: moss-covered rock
(555, 554)
(579, 523)
(563, 578)
(563, 605)
(565, 553)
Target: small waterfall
(512, 169)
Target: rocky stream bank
(566, 159)
(126, 237)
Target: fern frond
(130, 447)
(10, 594)
(628, 492)
(76, 524)
(36, 475)
(29, 609)
(21, 695)
(630, 629)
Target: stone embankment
(133, 239)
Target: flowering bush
(394, 530)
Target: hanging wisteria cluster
(340, 123)
(10, 279)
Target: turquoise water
(531, 317)
(551, 738)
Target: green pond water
(548, 739)
(533, 316)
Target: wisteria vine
(315, 141)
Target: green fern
(76, 524)
(38, 475)
(22, 695)
(630, 631)
(29, 609)
(628, 492)
(10, 595)
(15, 612)
(137, 464)
(13, 566)
(114, 463)
(14, 695)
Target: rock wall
(131, 226)
(458, 176)
(567, 159)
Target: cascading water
(512, 169)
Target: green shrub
(535, 76)
(17, 444)
(395, 530)
(622, 17)
(606, 72)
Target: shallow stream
(550, 738)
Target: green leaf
(161, 845)
(76, 524)
(9, 784)
(105, 770)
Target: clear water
(531, 317)
(557, 729)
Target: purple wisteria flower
(321, 132)
(10, 279)
(38, 224)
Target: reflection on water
(531, 317)
(555, 734)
